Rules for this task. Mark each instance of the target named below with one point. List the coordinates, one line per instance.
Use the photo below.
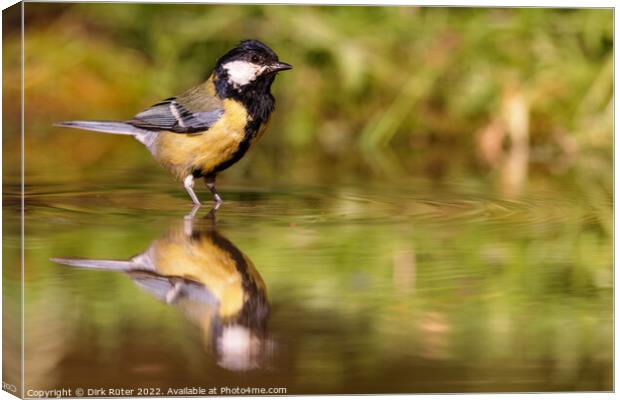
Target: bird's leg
(188, 182)
(210, 217)
(191, 223)
(210, 182)
(189, 218)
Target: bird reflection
(196, 269)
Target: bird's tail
(110, 265)
(114, 127)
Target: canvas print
(212, 199)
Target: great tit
(209, 127)
(196, 269)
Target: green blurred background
(377, 92)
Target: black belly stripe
(259, 104)
(251, 130)
(244, 146)
(256, 308)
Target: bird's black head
(250, 66)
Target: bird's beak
(280, 66)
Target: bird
(196, 269)
(211, 126)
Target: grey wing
(170, 115)
(161, 286)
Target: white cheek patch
(242, 72)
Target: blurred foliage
(376, 91)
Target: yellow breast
(185, 153)
(204, 262)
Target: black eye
(255, 58)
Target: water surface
(362, 288)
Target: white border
(477, 3)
